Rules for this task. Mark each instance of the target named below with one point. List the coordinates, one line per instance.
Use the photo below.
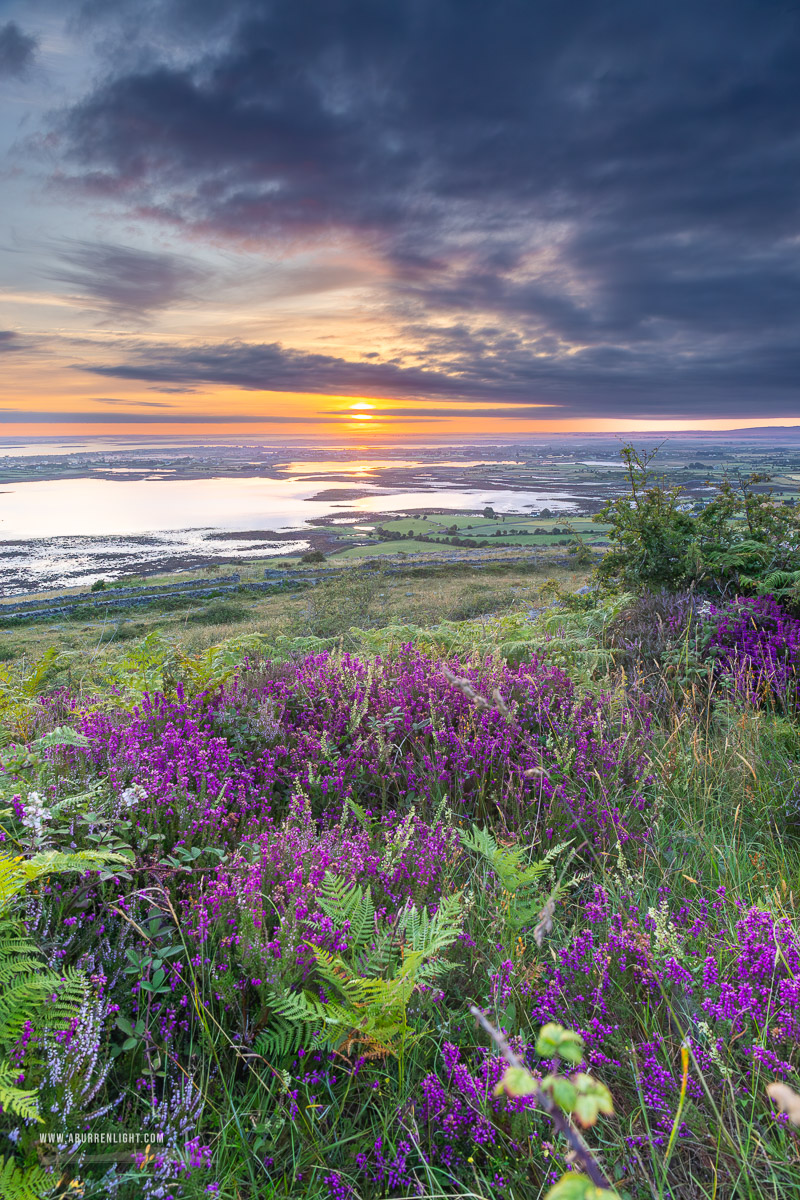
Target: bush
(477, 599)
(219, 612)
(336, 605)
(741, 542)
(651, 626)
(755, 647)
(312, 556)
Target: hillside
(251, 893)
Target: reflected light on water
(102, 507)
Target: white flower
(132, 795)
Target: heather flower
(755, 647)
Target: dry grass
(454, 593)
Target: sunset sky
(398, 217)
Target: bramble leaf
(556, 1040)
(517, 1082)
(593, 1098)
(575, 1186)
(563, 1092)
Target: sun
(361, 415)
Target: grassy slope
(395, 599)
(721, 777)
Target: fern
(30, 994)
(24, 1183)
(428, 935)
(349, 907)
(785, 585)
(367, 992)
(17, 871)
(508, 863)
(295, 1019)
(520, 882)
(13, 1099)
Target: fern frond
(16, 871)
(295, 1019)
(9, 967)
(349, 906)
(46, 1000)
(506, 863)
(14, 1099)
(24, 1183)
(428, 935)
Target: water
(56, 533)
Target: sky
(398, 217)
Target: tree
(742, 541)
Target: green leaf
(563, 1092)
(125, 1025)
(575, 1186)
(517, 1082)
(593, 1098)
(554, 1040)
(64, 735)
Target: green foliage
(19, 1102)
(368, 991)
(555, 1041)
(16, 872)
(219, 612)
(24, 1183)
(30, 994)
(650, 535)
(735, 543)
(157, 664)
(521, 883)
(723, 777)
(20, 689)
(580, 1097)
(577, 1186)
(350, 907)
(569, 637)
(336, 604)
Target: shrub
(755, 647)
(652, 625)
(741, 542)
(335, 606)
(220, 612)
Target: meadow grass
(620, 833)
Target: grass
(411, 598)
(644, 935)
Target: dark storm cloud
(125, 280)
(612, 189)
(270, 367)
(17, 51)
(634, 382)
